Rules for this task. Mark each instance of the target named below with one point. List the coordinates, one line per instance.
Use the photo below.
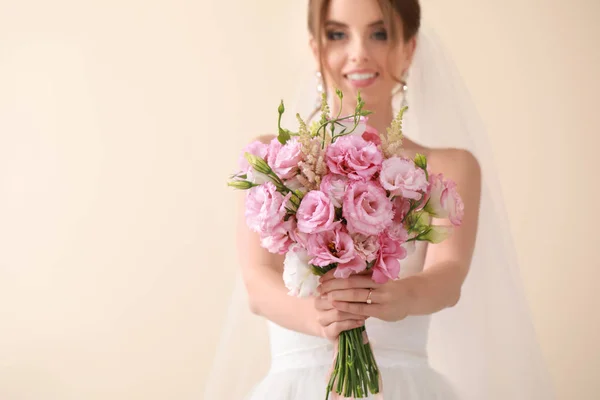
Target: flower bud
(258, 178)
(422, 220)
(421, 161)
(258, 164)
(239, 184)
(437, 234)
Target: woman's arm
(447, 263)
(438, 286)
(263, 277)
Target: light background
(116, 227)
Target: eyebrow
(341, 24)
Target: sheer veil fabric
(486, 345)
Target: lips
(361, 76)
(361, 79)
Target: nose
(358, 52)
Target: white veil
(486, 345)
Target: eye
(335, 35)
(380, 35)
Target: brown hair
(408, 10)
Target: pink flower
(401, 207)
(332, 246)
(402, 177)
(397, 232)
(335, 246)
(367, 209)
(371, 135)
(444, 200)
(278, 241)
(316, 213)
(387, 266)
(366, 246)
(299, 237)
(265, 208)
(356, 266)
(334, 186)
(284, 159)
(354, 157)
(257, 148)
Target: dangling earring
(320, 89)
(403, 88)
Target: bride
(455, 324)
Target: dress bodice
(393, 342)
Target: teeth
(360, 77)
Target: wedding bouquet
(339, 195)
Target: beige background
(115, 223)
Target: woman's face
(358, 55)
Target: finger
(353, 295)
(354, 281)
(323, 304)
(332, 316)
(371, 310)
(337, 327)
(327, 276)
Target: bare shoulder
(456, 163)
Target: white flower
(257, 177)
(297, 274)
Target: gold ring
(369, 301)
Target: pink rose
(371, 135)
(366, 246)
(444, 200)
(316, 213)
(401, 207)
(334, 186)
(402, 177)
(397, 232)
(367, 209)
(354, 266)
(284, 159)
(299, 237)
(279, 241)
(354, 157)
(387, 266)
(265, 208)
(332, 246)
(335, 246)
(257, 148)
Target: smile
(361, 79)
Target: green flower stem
(355, 373)
(333, 121)
(362, 359)
(341, 355)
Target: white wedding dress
(300, 363)
(484, 348)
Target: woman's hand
(389, 301)
(332, 321)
